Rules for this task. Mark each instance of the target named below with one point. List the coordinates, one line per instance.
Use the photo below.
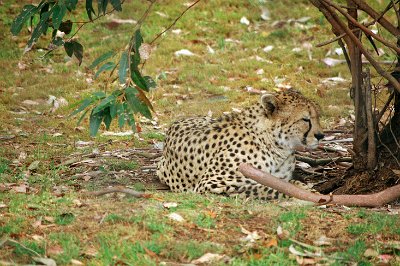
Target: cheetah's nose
(319, 136)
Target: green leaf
(94, 122)
(102, 6)
(99, 94)
(82, 116)
(135, 104)
(131, 121)
(107, 66)
(66, 26)
(74, 48)
(113, 110)
(85, 103)
(78, 51)
(150, 82)
(106, 102)
(90, 9)
(41, 28)
(139, 80)
(107, 118)
(59, 11)
(58, 41)
(71, 4)
(123, 67)
(116, 4)
(135, 58)
(69, 48)
(138, 41)
(27, 12)
(101, 58)
(121, 115)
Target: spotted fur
(203, 154)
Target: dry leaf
(244, 21)
(37, 223)
(34, 165)
(209, 258)
(306, 261)
(370, 253)
(282, 234)
(176, 217)
(272, 243)
(169, 205)
(75, 262)
(37, 238)
(145, 51)
(331, 61)
(90, 252)
(54, 250)
(77, 203)
(184, 52)
(45, 261)
(30, 102)
(20, 189)
(323, 241)
(210, 214)
(268, 48)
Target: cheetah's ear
(268, 101)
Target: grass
(54, 219)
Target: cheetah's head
(294, 119)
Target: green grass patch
(374, 223)
(292, 220)
(118, 165)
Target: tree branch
(362, 27)
(174, 22)
(357, 42)
(371, 155)
(371, 200)
(378, 17)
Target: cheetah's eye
(306, 120)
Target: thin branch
(371, 155)
(132, 40)
(388, 7)
(375, 15)
(362, 27)
(396, 11)
(346, 55)
(316, 162)
(93, 20)
(174, 22)
(384, 108)
(357, 42)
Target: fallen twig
(118, 189)
(316, 162)
(371, 200)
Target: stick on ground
(371, 200)
(119, 189)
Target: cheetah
(202, 154)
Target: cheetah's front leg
(237, 185)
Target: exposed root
(370, 200)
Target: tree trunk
(360, 125)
